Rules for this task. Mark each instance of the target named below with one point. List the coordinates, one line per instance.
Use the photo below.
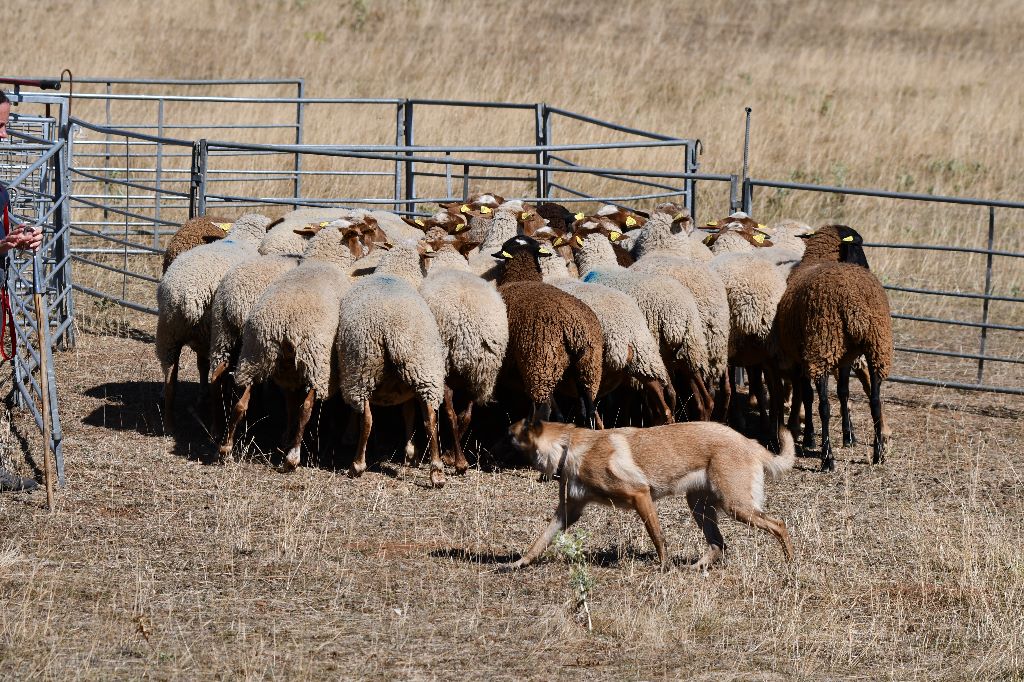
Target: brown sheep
(833, 310)
(554, 338)
(195, 231)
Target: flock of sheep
(619, 316)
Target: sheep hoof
(356, 470)
(879, 454)
(809, 443)
(828, 463)
(448, 459)
(224, 454)
(436, 478)
(849, 441)
(461, 468)
(290, 461)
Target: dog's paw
(509, 567)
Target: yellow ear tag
(630, 221)
(713, 223)
(545, 251)
(614, 236)
(679, 216)
(464, 208)
(323, 224)
(848, 239)
(579, 216)
(579, 240)
(223, 226)
(558, 242)
(506, 254)
(460, 226)
(759, 238)
(526, 215)
(762, 226)
(709, 238)
(485, 209)
(419, 221)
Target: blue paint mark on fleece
(591, 276)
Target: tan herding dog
(713, 465)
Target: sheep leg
(409, 417)
(705, 515)
(662, 412)
(359, 461)
(881, 430)
(721, 405)
(736, 416)
(777, 400)
(170, 383)
(219, 391)
(203, 365)
(587, 402)
(756, 386)
(807, 392)
(459, 458)
(863, 375)
(294, 452)
(464, 419)
(237, 415)
(793, 424)
(436, 465)
(828, 462)
(843, 391)
(567, 513)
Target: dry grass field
(157, 564)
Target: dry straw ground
(156, 564)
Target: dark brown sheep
(833, 311)
(554, 338)
(195, 231)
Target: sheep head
(837, 243)
(741, 224)
(623, 217)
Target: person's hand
(25, 238)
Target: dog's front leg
(567, 513)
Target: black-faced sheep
(195, 231)
(833, 310)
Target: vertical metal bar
(748, 197)
(410, 172)
(540, 140)
(159, 172)
(448, 178)
(204, 158)
(106, 163)
(988, 289)
(547, 156)
(193, 185)
(399, 137)
(299, 121)
(62, 238)
(465, 182)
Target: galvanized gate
(34, 167)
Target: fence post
(299, 114)
(748, 196)
(410, 173)
(159, 172)
(988, 289)
(692, 166)
(541, 140)
(399, 138)
(197, 187)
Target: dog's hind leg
(705, 514)
(761, 520)
(568, 513)
(644, 506)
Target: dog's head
(523, 436)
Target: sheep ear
(467, 246)
(211, 238)
(502, 255)
(418, 223)
(306, 231)
(274, 222)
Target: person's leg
(13, 483)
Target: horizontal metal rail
(120, 271)
(883, 194)
(127, 304)
(116, 240)
(958, 385)
(942, 247)
(964, 356)
(954, 294)
(958, 323)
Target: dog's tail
(776, 465)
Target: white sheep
(472, 321)
(669, 308)
(389, 351)
(668, 232)
(184, 296)
(289, 335)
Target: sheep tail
(776, 465)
